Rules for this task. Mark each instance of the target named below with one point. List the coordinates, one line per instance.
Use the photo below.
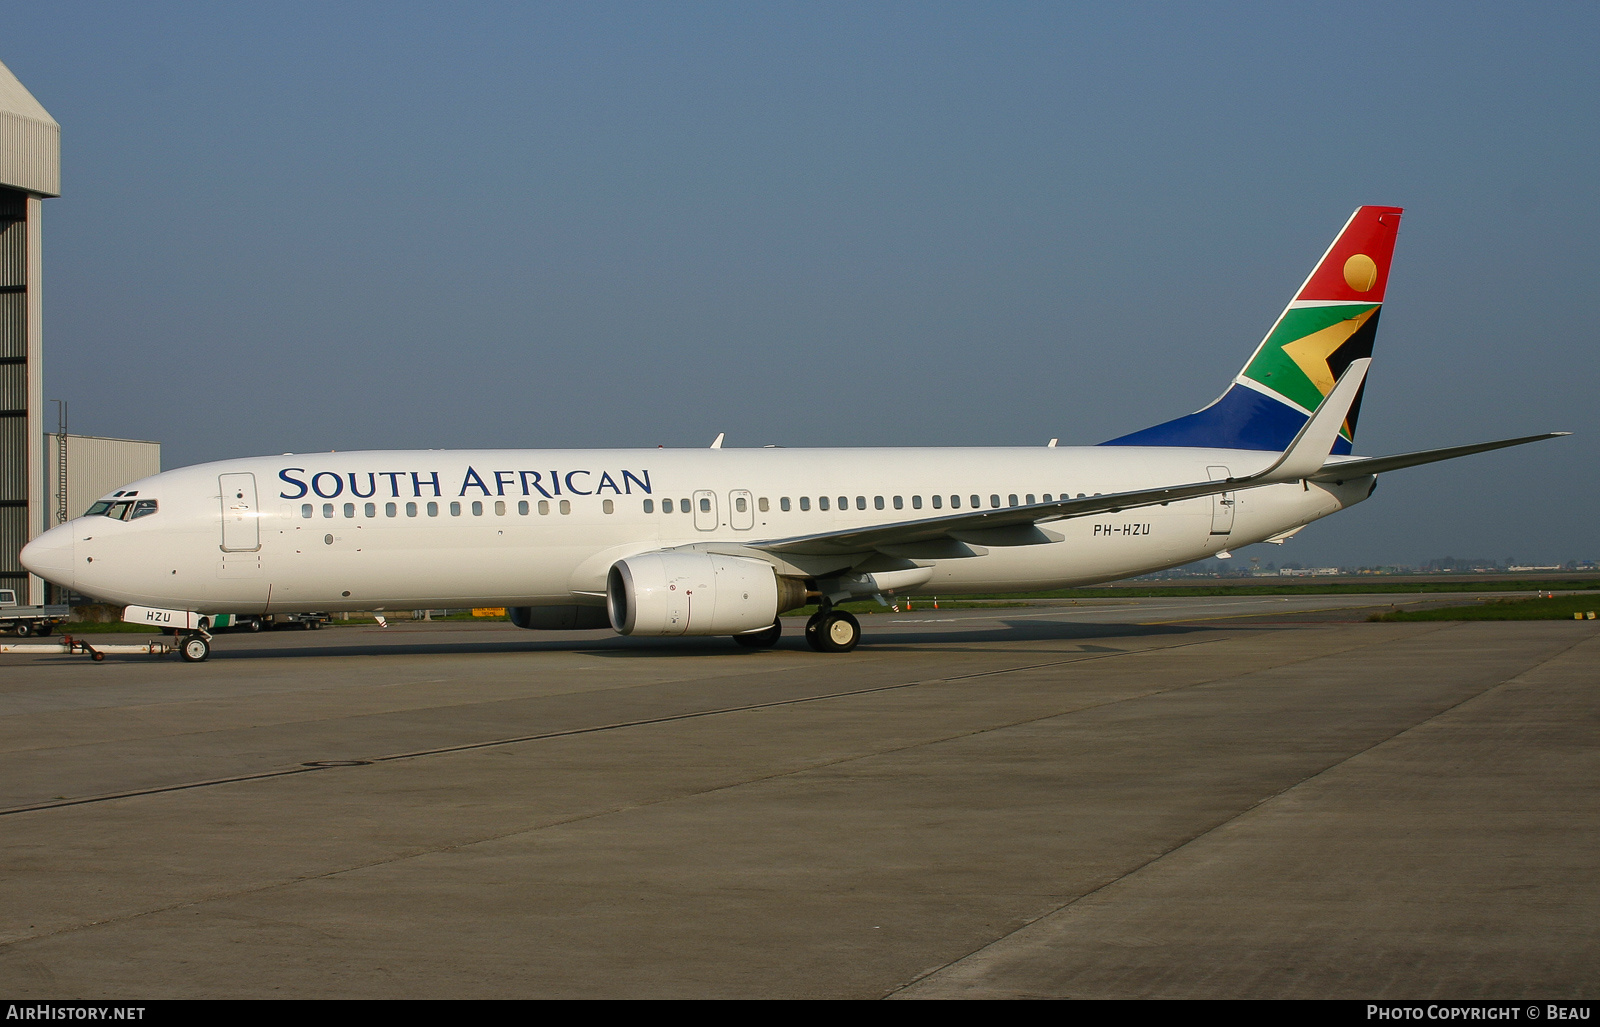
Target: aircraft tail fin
(1331, 322)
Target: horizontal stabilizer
(1344, 470)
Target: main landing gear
(828, 631)
(832, 631)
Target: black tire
(838, 632)
(194, 648)
(314, 625)
(23, 629)
(764, 639)
(46, 628)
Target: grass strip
(1559, 608)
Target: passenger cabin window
(455, 509)
(499, 508)
(822, 502)
(783, 504)
(349, 509)
(955, 502)
(411, 509)
(899, 503)
(372, 509)
(566, 506)
(608, 506)
(389, 509)
(805, 502)
(938, 502)
(761, 504)
(522, 508)
(433, 509)
(477, 508)
(649, 506)
(916, 502)
(305, 509)
(327, 509)
(877, 503)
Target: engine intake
(688, 593)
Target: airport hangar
(44, 478)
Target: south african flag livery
(1331, 321)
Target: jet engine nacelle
(689, 593)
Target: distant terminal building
(30, 171)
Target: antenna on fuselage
(716, 443)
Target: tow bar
(193, 648)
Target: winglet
(1309, 450)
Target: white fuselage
(404, 530)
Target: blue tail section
(1241, 419)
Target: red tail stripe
(1371, 233)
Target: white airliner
(720, 541)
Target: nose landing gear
(194, 648)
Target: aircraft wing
(1306, 458)
(1019, 525)
(1344, 470)
(1010, 526)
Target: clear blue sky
(317, 226)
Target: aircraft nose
(50, 556)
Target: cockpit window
(123, 509)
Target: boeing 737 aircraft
(721, 542)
